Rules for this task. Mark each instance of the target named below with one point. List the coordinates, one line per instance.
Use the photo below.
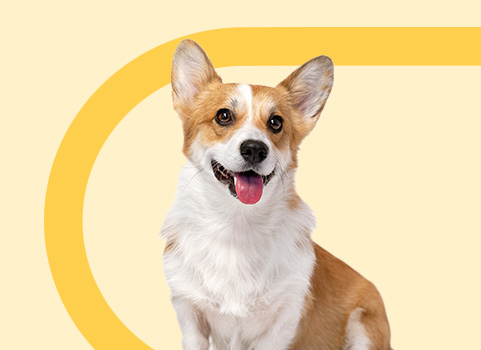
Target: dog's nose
(254, 151)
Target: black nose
(254, 151)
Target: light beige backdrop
(391, 171)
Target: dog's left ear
(192, 70)
(309, 86)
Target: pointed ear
(191, 72)
(308, 87)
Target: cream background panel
(55, 54)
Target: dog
(242, 268)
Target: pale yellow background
(391, 171)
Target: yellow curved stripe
(151, 71)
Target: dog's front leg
(195, 330)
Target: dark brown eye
(224, 117)
(275, 124)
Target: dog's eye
(224, 116)
(275, 124)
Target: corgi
(239, 260)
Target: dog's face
(244, 135)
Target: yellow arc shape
(151, 71)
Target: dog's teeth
(235, 180)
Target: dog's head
(245, 135)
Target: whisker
(283, 176)
(192, 178)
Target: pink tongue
(248, 188)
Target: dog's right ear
(191, 72)
(308, 88)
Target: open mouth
(247, 186)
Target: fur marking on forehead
(246, 95)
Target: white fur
(246, 93)
(238, 273)
(234, 161)
(227, 153)
(242, 270)
(246, 269)
(194, 71)
(356, 338)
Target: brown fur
(198, 112)
(337, 290)
(200, 121)
(169, 246)
(199, 118)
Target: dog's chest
(239, 267)
(240, 287)
(230, 278)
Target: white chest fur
(244, 269)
